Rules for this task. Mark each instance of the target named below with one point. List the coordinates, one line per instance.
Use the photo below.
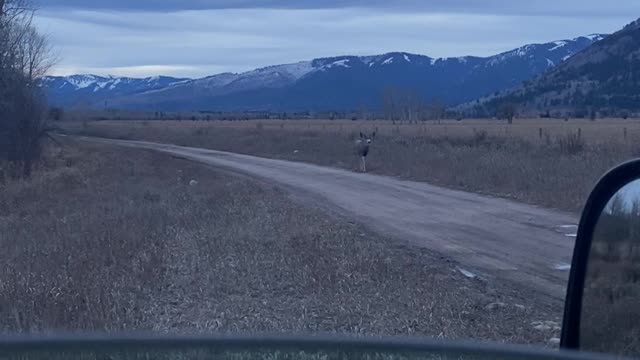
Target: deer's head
(367, 139)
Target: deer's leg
(364, 164)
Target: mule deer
(362, 149)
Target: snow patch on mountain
(524, 50)
(107, 85)
(368, 60)
(82, 81)
(559, 44)
(595, 37)
(114, 84)
(295, 70)
(343, 63)
(216, 80)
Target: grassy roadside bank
(104, 238)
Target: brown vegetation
(105, 238)
(552, 163)
(611, 313)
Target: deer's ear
(361, 135)
(373, 135)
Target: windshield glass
(259, 347)
(301, 168)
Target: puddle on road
(568, 230)
(467, 273)
(562, 266)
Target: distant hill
(93, 90)
(604, 78)
(337, 83)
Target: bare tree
(402, 104)
(34, 55)
(25, 57)
(413, 106)
(389, 104)
(508, 112)
(437, 110)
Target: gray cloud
(511, 7)
(203, 42)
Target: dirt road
(489, 238)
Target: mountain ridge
(315, 84)
(604, 77)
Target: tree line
(25, 56)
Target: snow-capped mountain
(342, 82)
(73, 89)
(603, 78)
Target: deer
(362, 149)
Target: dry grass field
(611, 320)
(548, 162)
(106, 238)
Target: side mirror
(602, 308)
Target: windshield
(261, 347)
(386, 169)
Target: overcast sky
(194, 38)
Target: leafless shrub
(547, 137)
(507, 111)
(480, 136)
(25, 56)
(571, 143)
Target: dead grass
(610, 305)
(264, 352)
(611, 312)
(110, 239)
(551, 163)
